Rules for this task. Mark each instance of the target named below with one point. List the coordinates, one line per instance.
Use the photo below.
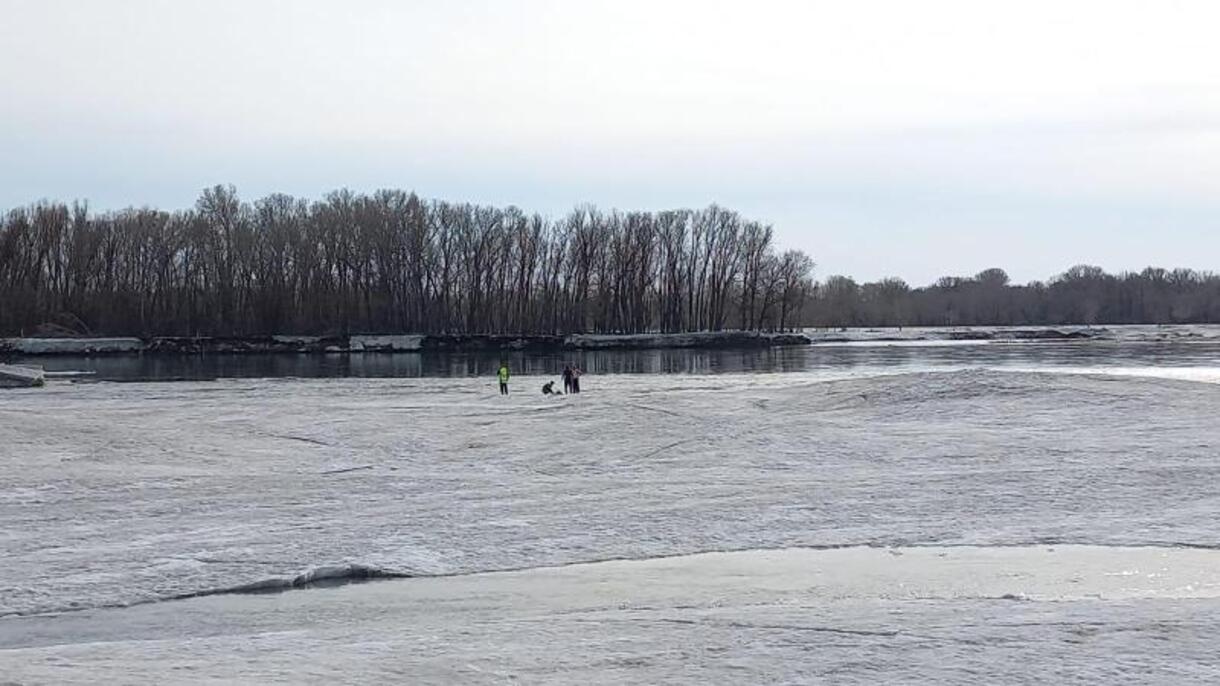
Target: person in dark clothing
(567, 378)
(548, 388)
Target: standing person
(567, 378)
(576, 379)
(503, 374)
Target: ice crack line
(790, 627)
(302, 439)
(656, 409)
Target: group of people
(571, 380)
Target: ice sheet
(115, 494)
(1061, 614)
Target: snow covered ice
(1013, 523)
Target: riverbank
(169, 345)
(717, 340)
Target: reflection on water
(787, 359)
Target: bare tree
(388, 262)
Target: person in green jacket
(503, 374)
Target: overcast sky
(902, 138)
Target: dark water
(853, 357)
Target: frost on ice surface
(929, 615)
(123, 493)
(119, 494)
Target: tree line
(393, 262)
(1082, 295)
(390, 262)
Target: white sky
(883, 137)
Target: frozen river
(948, 518)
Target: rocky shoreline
(718, 340)
(169, 345)
(971, 334)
